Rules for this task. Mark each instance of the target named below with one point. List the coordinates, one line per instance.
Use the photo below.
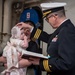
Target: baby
(12, 51)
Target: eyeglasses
(47, 18)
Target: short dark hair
(60, 13)
(30, 23)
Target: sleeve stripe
(46, 66)
(37, 34)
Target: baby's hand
(25, 42)
(24, 45)
(25, 38)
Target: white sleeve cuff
(31, 29)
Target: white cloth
(16, 32)
(11, 53)
(8, 51)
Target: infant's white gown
(10, 50)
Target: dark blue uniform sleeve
(41, 35)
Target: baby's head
(16, 32)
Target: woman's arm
(2, 59)
(24, 63)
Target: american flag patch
(55, 39)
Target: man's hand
(34, 61)
(24, 26)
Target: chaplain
(61, 43)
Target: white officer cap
(51, 7)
